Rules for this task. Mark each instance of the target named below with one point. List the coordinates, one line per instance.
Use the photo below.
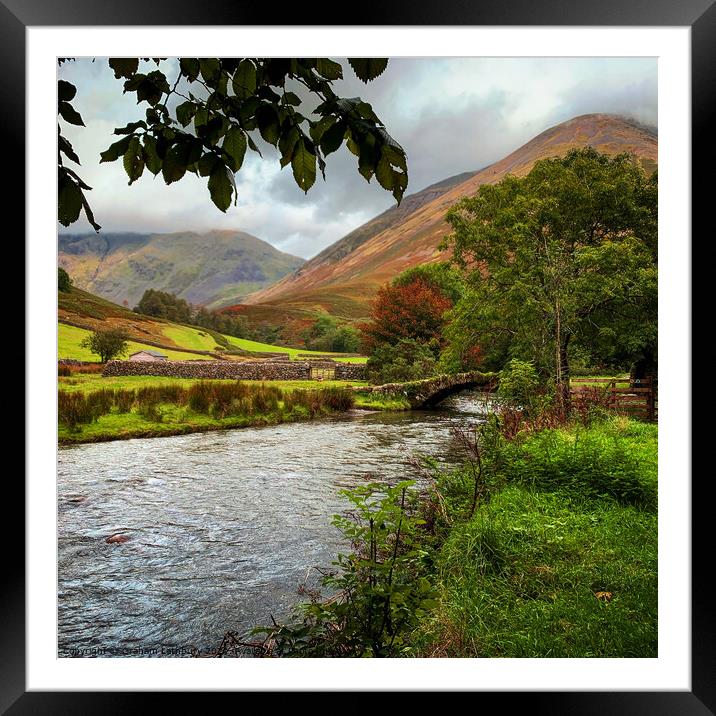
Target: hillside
(210, 269)
(80, 312)
(343, 278)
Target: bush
(519, 383)
(380, 591)
(64, 282)
(407, 360)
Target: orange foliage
(414, 310)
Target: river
(223, 526)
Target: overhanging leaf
(220, 187)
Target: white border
(671, 671)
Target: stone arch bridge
(431, 391)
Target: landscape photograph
(357, 357)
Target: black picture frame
(700, 15)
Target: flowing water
(223, 526)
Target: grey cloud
(451, 115)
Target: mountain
(343, 278)
(211, 269)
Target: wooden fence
(638, 398)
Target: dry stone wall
(236, 370)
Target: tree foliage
(162, 304)
(326, 334)
(108, 344)
(64, 282)
(412, 307)
(226, 103)
(403, 361)
(562, 260)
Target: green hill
(80, 312)
(211, 269)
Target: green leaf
(235, 147)
(133, 160)
(207, 163)
(267, 120)
(333, 138)
(115, 151)
(318, 129)
(252, 145)
(201, 117)
(329, 69)
(65, 91)
(244, 80)
(368, 68)
(185, 112)
(221, 187)
(129, 129)
(286, 144)
(384, 173)
(124, 66)
(175, 163)
(69, 114)
(210, 68)
(291, 98)
(65, 147)
(69, 201)
(151, 158)
(303, 163)
(189, 67)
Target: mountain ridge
(210, 268)
(414, 239)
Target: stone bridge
(431, 391)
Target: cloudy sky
(450, 114)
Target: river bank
(546, 547)
(101, 409)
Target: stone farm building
(147, 356)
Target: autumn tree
(561, 260)
(407, 309)
(200, 115)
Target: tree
(225, 101)
(326, 334)
(108, 344)
(406, 360)
(64, 282)
(562, 259)
(412, 307)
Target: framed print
(357, 355)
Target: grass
(170, 409)
(69, 339)
(187, 337)
(88, 383)
(293, 353)
(560, 562)
(171, 416)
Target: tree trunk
(563, 392)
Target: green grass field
(187, 337)
(293, 353)
(562, 561)
(69, 339)
(86, 383)
(177, 419)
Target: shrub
(380, 591)
(407, 360)
(519, 383)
